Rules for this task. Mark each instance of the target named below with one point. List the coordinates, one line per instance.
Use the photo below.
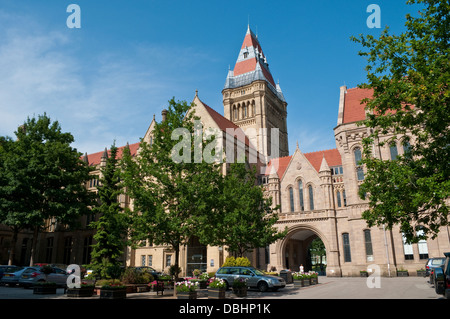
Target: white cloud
(113, 96)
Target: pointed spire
(324, 166)
(105, 154)
(85, 158)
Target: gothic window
(300, 195)
(406, 148)
(338, 197)
(359, 169)
(368, 244)
(244, 111)
(311, 197)
(393, 150)
(253, 108)
(346, 244)
(235, 112)
(291, 198)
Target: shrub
(240, 261)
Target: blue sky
(104, 81)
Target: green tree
(410, 75)
(42, 179)
(169, 195)
(245, 219)
(111, 227)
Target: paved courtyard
(328, 288)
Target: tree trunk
(34, 245)
(12, 251)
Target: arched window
(311, 197)
(253, 108)
(359, 169)
(338, 197)
(244, 111)
(291, 198)
(300, 195)
(406, 148)
(368, 244)
(393, 150)
(235, 112)
(346, 244)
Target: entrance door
(196, 256)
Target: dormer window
(245, 55)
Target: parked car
(255, 278)
(33, 275)
(7, 268)
(431, 264)
(150, 270)
(442, 278)
(11, 277)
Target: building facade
(317, 191)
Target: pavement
(328, 288)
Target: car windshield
(437, 261)
(257, 272)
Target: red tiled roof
(250, 40)
(225, 123)
(282, 163)
(95, 158)
(333, 158)
(353, 109)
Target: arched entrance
(301, 247)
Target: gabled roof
(282, 162)
(223, 123)
(332, 157)
(94, 159)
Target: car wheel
(263, 286)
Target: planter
(113, 293)
(186, 294)
(240, 291)
(44, 290)
(421, 273)
(203, 284)
(402, 273)
(364, 274)
(80, 292)
(314, 280)
(306, 282)
(298, 283)
(216, 293)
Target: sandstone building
(317, 191)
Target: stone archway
(292, 251)
(295, 249)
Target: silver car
(255, 278)
(33, 275)
(11, 277)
